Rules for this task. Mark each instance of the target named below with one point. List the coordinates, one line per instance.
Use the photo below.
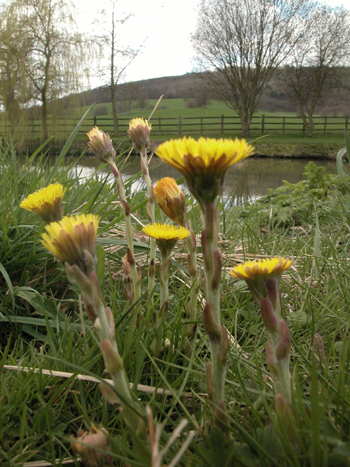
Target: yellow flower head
(166, 235)
(71, 237)
(258, 275)
(46, 202)
(139, 132)
(171, 200)
(264, 267)
(203, 163)
(101, 145)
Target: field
(282, 133)
(44, 327)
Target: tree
(316, 65)
(132, 92)
(14, 60)
(57, 51)
(119, 56)
(241, 43)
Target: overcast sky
(161, 29)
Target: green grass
(166, 125)
(41, 328)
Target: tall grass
(41, 328)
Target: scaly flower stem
(104, 326)
(128, 230)
(211, 271)
(192, 269)
(211, 314)
(151, 217)
(164, 273)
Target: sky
(160, 29)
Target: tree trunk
(311, 126)
(44, 116)
(114, 110)
(245, 122)
(308, 123)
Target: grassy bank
(41, 328)
(273, 143)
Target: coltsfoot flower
(101, 145)
(70, 238)
(166, 235)
(203, 163)
(139, 132)
(257, 274)
(264, 267)
(46, 202)
(171, 200)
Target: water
(250, 178)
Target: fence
(161, 126)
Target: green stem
(105, 330)
(164, 273)
(128, 230)
(151, 216)
(192, 268)
(212, 273)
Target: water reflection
(247, 179)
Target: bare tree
(242, 42)
(316, 65)
(57, 51)
(14, 59)
(119, 56)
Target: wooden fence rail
(162, 126)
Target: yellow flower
(71, 237)
(166, 235)
(46, 202)
(203, 163)
(264, 267)
(101, 145)
(171, 200)
(263, 278)
(139, 132)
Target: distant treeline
(192, 86)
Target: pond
(249, 178)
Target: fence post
(346, 122)
(222, 124)
(325, 125)
(159, 126)
(283, 125)
(95, 120)
(201, 125)
(180, 125)
(303, 128)
(263, 124)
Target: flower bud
(139, 132)
(101, 145)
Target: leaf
(100, 267)
(340, 165)
(38, 302)
(9, 284)
(68, 144)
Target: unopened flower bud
(89, 447)
(101, 145)
(111, 357)
(171, 200)
(139, 132)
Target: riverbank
(321, 147)
(49, 342)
